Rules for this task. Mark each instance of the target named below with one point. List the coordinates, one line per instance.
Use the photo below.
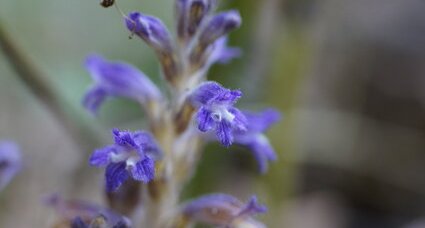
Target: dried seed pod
(107, 3)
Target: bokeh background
(349, 77)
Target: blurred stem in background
(82, 135)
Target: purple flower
(216, 111)
(10, 162)
(220, 25)
(78, 223)
(132, 155)
(254, 137)
(116, 79)
(98, 221)
(223, 210)
(151, 30)
(81, 214)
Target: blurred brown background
(348, 75)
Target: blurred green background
(348, 77)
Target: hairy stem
(181, 146)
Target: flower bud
(220, 25)
(151, 30)
(190, 14)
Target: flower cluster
(157, 159)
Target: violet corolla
(132, 155)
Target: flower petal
(254, 137)
(228, 97)
(141, 141)
(240, 121)
(206, 93)
(144, 170)
(124, 138)
(205, 121)
(147, 144)
(261, 121)
(259, 146)
(252, 208)
(101, 157)
(116, 174)
(263, 152)
(93, 98)
(224, 133)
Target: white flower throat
(220, 113)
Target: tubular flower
(224, 210)
(116, 79)
(151, 30)
(216, 111)
(132, 155)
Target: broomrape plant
(146, 170)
